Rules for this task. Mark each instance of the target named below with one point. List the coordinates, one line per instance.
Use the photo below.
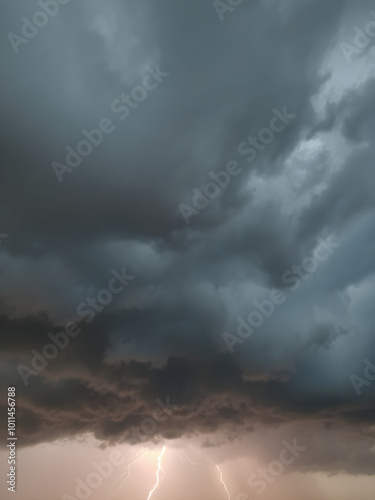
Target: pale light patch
(121, 32)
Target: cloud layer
(163, 335)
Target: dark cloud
(163, 336)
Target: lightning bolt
(222, 482)
(203, 465)
(179, 453)
(127, 469)
(157, 473)
(160, 468)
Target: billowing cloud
(174, 96)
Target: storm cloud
(163, 336)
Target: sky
(187, 249)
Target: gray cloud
(163, 336)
